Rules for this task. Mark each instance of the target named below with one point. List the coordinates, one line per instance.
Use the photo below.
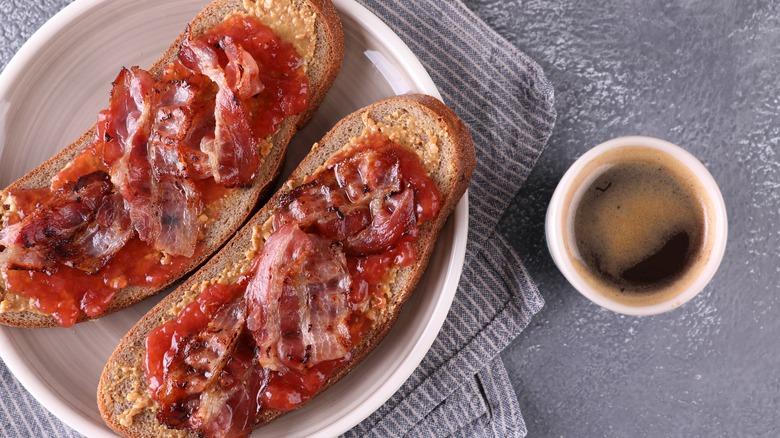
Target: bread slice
(322, 49)
(420, 121)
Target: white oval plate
(51, 92)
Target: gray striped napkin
(461, 387)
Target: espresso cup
(637, 225)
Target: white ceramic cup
(560, 218)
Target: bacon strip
(359, 201)
(297, 301)
(392, 217)
(184, 115)
(150, 131)
(242, 74)
(105, 235)
(128, 122)
(196, 365)
(230, 406)
(323, 207)
(81, 225)
(369, 174)
(182, 119)
(233, 152)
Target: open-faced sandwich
(306, 289)
(172, 168)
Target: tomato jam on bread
(307, 289)
(140, 204)
(307, 299)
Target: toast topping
(291, 321)
(211, 380)
(401, 127)
(16, 303)
(293, 21)
(76, 226)
(296, 301)
(166, 151)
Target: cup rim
(554, 231)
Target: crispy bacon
(196, 364)
(106, 234)
(286, 92)
(229, 408)
(369, 174)
(393, 217)
(153, 131)
(81, 225)
(212, 380)
(323, 207)
(184, 111)
(358, 201)
(127, 126)
(241, 72)
(184, 116)
(233, 152)
(297, 301)
(178, 205)
(64, 214)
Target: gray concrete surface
(704, 75)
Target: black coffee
(639, 226)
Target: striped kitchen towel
(461, 387)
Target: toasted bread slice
(321, 44)
(419, 121)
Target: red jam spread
(128, 210)
(286, 88)
(311, 294)
(54, 294)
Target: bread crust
(456, 164)
(241, 203)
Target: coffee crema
(639, 225)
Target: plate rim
(31, 379)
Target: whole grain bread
(321, 70)
(122, 395)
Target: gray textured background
(702, 74)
